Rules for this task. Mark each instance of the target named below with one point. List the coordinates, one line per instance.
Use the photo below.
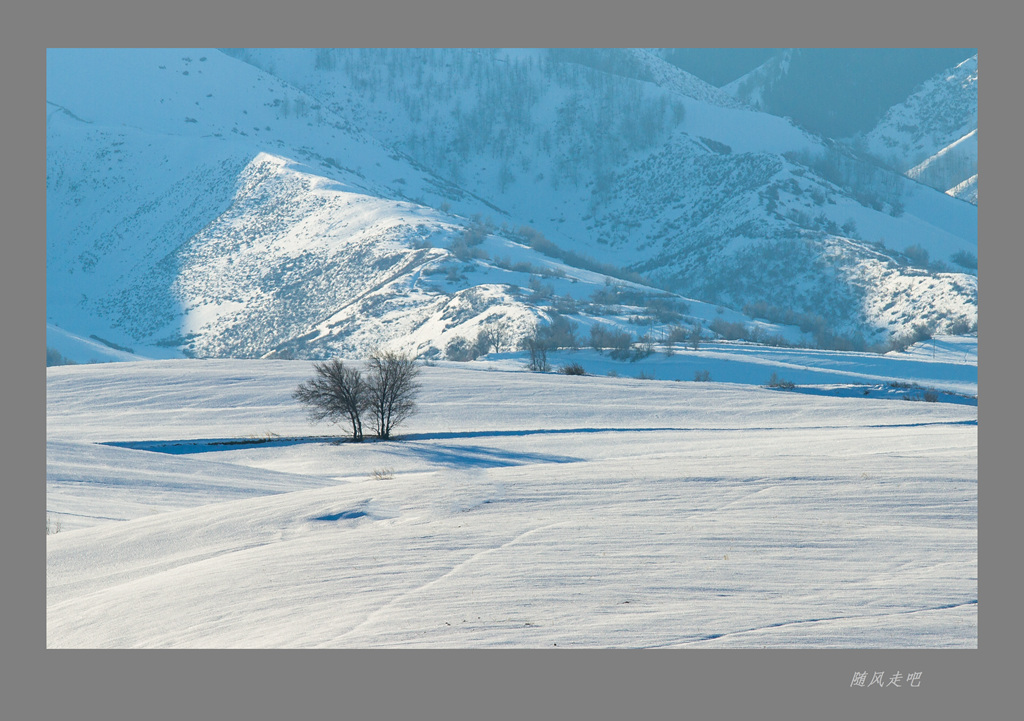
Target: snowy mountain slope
(949, 167)
(300, 201)
(292, 249)
(165, 228)
(699, 170)
(967, 190)
(321, 270)
(762, 227)
(606, 512)
(933, 134)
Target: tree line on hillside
(461, 103)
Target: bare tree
(493, 335)
(695, 335)
(537, 344)
(391, 390)
(337, 392)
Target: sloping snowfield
(198, 508)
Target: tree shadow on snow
(473, 456)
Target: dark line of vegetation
(111, 344)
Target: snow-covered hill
(197, 508)
(304, 202)
(933, 134)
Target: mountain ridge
(221, 209)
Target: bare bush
(965, 259)
(643, 348)
(677, 334)
(920, 332)
(917, 255)
(55, 358)
(776, 382)
(572, 369)
(728, 330)
(604, 337)
(561, 332)
(960, 326)
(53, 526)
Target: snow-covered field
(198, 507)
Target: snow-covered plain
(518, 509)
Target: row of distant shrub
(620, 344)
(575, 369)
(920, 257)
(915, 391)
(55, 358)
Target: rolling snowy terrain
(198, 508)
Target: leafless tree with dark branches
(391, 390)
(335, 393)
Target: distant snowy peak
(932, 135)
(679, 81)
(752, 89)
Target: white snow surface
(518, 509)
